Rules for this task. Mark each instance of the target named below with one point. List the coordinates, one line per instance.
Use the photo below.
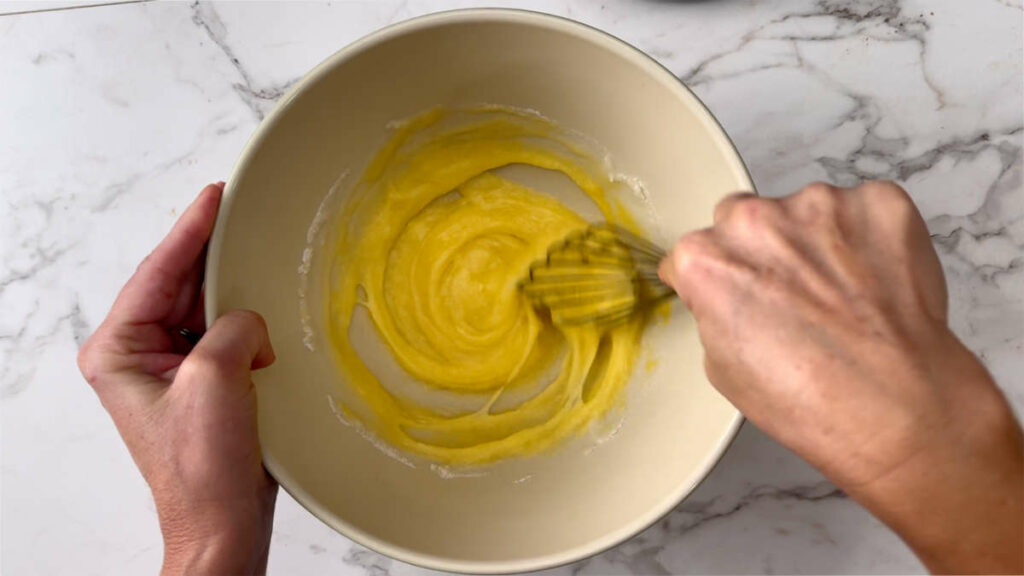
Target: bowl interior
(530, 514)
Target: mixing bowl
(540, 511)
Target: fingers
(888, 211)
(726, 205)
(167, 282)
(234, 345)
(817, 203)
(751, 236)
(699, 269)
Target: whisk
(601, 275)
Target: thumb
(669, 275)
(701, 269)
(234, 345)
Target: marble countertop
(113, 117)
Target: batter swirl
(432, 244)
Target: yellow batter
(433, 244)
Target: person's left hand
(188, 414)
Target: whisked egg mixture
(443, 356)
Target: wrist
(218, 540)
(217, 554)
(958, 513)
(230, 550)
(957, 501)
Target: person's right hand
(823, 317)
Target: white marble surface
(112, 118)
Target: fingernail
(221, 183)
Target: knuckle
(753, 212)
(93, 362)
(87, 363)
(725, 205)
(818, 194)
(247, 317)
(695, 243)
(698, 254)
(684, 256)
(692, 247)
(816, 189)
(888, 202)
(814, 201)
(885, 191)
(203, 364)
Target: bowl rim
(656, 71)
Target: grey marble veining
(113, 117)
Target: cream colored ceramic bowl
(533, 514)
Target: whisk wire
(601, 275)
